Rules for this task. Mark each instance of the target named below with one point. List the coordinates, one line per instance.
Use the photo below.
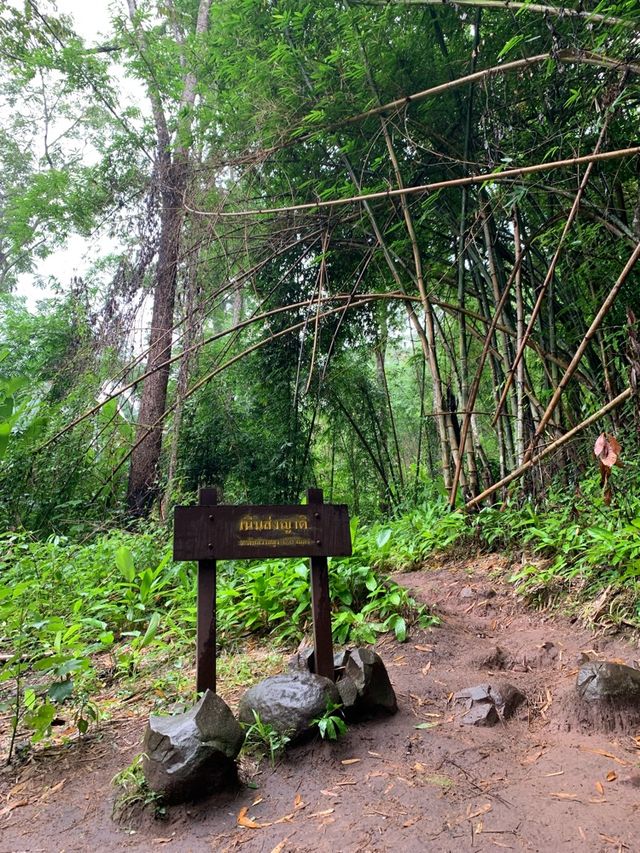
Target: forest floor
(416, 781)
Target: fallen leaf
(245, 821)
(423, 648)
(425, 725)
(600, 788)
(328, 793)
(350, 760)
(284, 819)
(532, 757)
(50, 791)
(279, 847)
(557, 773)
(605, 754)
(298, 802)
(564, 795)
(411, 821)
(375, 754)
(419, 768)
(425, 669)
(479, 812)
(256, 801)
(162, 840)
(322, 814)
(13, 806)
(612, 776)
(597, 802)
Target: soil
(420, 780)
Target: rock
(192, 754)
(304, 659)
(365, 688)
(289, 702)
(599, 680)
(466, 592)
(487, 704)
(497, 659)
(541, 657)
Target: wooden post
(320, 602)
(206, 631)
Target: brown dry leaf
(557, 773)
(479, 812)
(328, 793)
(375, 754)
(606, 754)
(423, 648)
(419, 768)
(425, 669)
(247, 822)
(597, 802)
(19, 788)
(564, 795)
(280, 847)
(612, 776)
(322, 814)
(13, 806)
(50, 791)
(350, 760)
(600, 788)
(284, 819)
(298, 802)
(449, 697)
(411, 821)
(257, 801)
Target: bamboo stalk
(521, 469)
(424, 188)
(595, 324)
(551, 270)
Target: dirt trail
(393, 784)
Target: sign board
(255, 532)
(210, 532)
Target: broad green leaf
(124, 561)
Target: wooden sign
(211, 532)
(254, 532)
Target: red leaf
(600, 445)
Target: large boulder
(599, 680)
(192, 754)
(289, 702)
(487, 704)
(365, 688)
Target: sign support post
(206, 631)
(320, 601)
(210, 531)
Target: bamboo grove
(376, 244)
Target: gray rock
(365, 688)
(192, 754)
(289, 702)
(487, 704)
(598, 680)
(467, 592)
(304, 659)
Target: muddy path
(417, 781)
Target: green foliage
(331, 724)
(133, 793)
(262, 739)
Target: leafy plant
(331, 724)
(264, 739)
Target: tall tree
(173, 148)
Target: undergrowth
(77, 617)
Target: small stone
(487, 704)
(599, 680)
(192, 754)
(288, 702)
(466, 592)
(366, 671)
